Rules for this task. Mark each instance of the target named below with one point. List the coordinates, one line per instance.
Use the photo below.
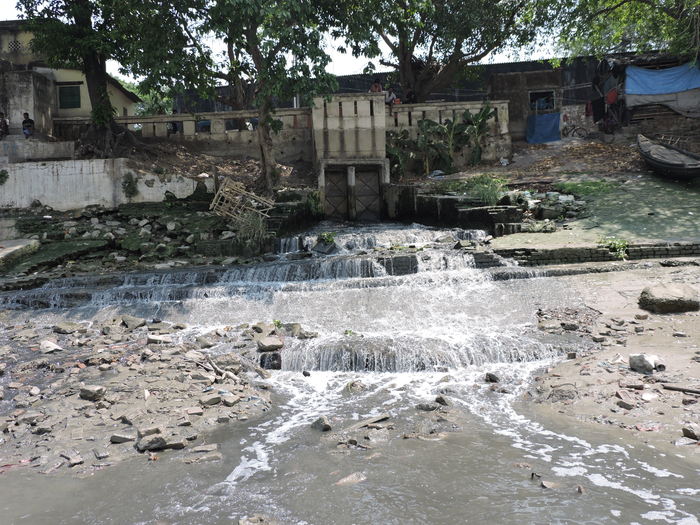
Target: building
(28, 85)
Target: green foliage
(349, 332)
(129, 186)
(102, 111)
(4, 175)
(597, 27)
(160, 170)
(432, 148)
(618, 245)
(587, 188)
(277, 323)
(431, 42)
(156, 41)
(486, 188)
(251, 227)
(152, 103)
(313, 201)
(399, 150)
(326, 237)
(477, 129)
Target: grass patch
(600, 187)
(487, 188)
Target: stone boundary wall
(545, 256)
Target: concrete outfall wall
(66, 185)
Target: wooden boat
(669, 160)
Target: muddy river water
(406, 339)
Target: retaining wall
(545, 256)
(71, 184)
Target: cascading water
(385, 344)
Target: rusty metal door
(335, 205)
(368, 201)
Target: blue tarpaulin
(543, 128)
(652, 82)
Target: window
(540, 100)
(126, 113)
(69, 97)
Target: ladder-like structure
(233, 200)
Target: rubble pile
(88, 395)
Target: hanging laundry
(611, 97)
(598, 106)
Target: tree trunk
(268, 166)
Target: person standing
(27, 126)
(4, 127)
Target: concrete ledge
(583, 254)
(10, 251)
(23, 150)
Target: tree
(151, 39)
(278, 49)
(595, 27)
(431, 41)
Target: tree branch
(650, 3)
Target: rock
(563, 393)
(92, 392)
(550, 485)
(195, 411)
(428, 407)
(548, 325)
(159, 339)
(306, 373)
(292, 329)
(204, 342)
(152, 442)
(357, 477)
(646, 363)
(626, 405)
(569, 326)
(692, 431)
(685, 441)
(132, 323)
(325, 248)
(143, 432)
(270, 344)
(67, 328)
(122, 437)
(444, 401)
(669, 298)
(203, 376)
(194, 355)
(571, 355)
(598, 339)
(49, 347)
(322, 424)
(206, 448)
(210, 399)
(175, 442)
(307, 335)
(210, 456)
(492, 378)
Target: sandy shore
(602, 390)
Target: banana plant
(431, 146)
(477, 128)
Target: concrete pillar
(188, 127)
(352, 194)
(147, 129)
(218, 126)
(161, 129)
